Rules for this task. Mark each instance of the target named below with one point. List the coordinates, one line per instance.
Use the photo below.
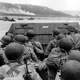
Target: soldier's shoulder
(56, 49)
(37, 42)
(4, 68)
(52, 41)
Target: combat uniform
(3, 59)
(12, 71)
(75, 38)
(53, 43)
(55, 60)
(37, 47)
(4, 42)
(15, 69)
(58, 57)
(28, 51)
(29, 54)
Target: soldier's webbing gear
(12, 71)
(55, 61)
(63, 59)
(27, 75)
(34, 75)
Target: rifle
(27, 75)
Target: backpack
(16, 72)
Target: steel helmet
(26, 38)
(60, 36)
(20, 38)
(65, 44)
(10, 34)
(6, 39)
(71, 70)
(74, 55)
(14, 51)
(30, 33)
(56, 32)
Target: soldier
(57, 57)
(5, 40)
(53, 43)
(65, 44)
(75, 38)
(37, 47)
(56, 32)
(71, 70)
(15, 69)
(28, 53)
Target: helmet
(30, 33)
(10, 34)
(60, 36)
(14, 51)
(71, 70)
(6, 39)
(74, 55)
(72, 29)
(56, 32)
(20, 38)
(26, 38)
(65, 44)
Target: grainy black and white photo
(39, 39)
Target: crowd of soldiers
(21, 57)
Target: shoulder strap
(13, 71)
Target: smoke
(16, 11)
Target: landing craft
(42, 28)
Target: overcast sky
(54, 4)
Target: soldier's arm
(49, 48)
(33, 56)
(38, 47)
(38, 50)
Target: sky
(62, 5)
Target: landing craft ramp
(42, 28)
